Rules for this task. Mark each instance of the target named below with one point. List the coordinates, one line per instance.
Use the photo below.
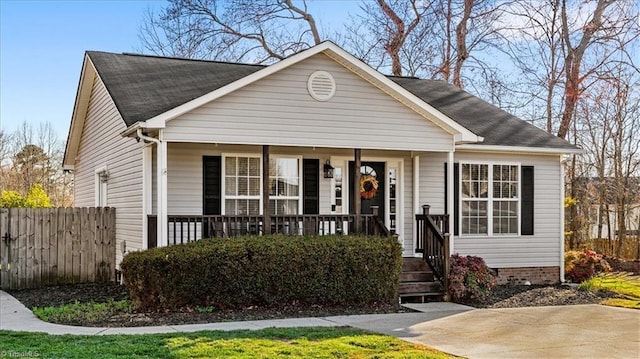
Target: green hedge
(265, 270)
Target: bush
(470, 278)
(10, 199)
(582, 265)
(37, 197)
(265, 270)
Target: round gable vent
(321, 86)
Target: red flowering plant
(470, 278)
(582, 265)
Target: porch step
(416, 276)
(410, 264)
(417, 282)
(411, 288)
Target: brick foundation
(534, 275)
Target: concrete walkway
(580, 331)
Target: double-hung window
(242, 185)
(490, 199)
(284, 186)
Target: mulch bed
(103, 292)
(506, 296)
(515, 296)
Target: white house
(185, 149)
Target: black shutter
(456, 199)
(527, 201)
(211, 185)
(311, 186)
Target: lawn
(266, 343)
(625, 285)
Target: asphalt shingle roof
(145, 86)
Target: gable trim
(461, 134)
(79, 114)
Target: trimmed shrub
(582, 265)
(265, 271)
(470, 278)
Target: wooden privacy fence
(50, 246)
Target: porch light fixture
(328, 170)
(104, 176)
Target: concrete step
(410, 264)
(419, 287)
(419, 276)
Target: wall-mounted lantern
(328, 170)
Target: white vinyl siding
(542, 248)
(432, 181)
(102, 145)
(278, 110)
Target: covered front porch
(199, 190)
(202, 190)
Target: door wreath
(368, 186)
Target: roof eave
(80, 108)
(520, 149)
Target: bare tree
(34, 155)
(233, 30)
(395, 28)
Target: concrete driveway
(574, 331)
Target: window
(393, 199)
(242, 185)
(284, 186)
(490, 199)
(505, 199)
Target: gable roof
(155, 89)
(143, 87)
(498, 127)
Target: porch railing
(189, 228)
(432, 240)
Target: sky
(42, 44)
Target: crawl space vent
(321, 86)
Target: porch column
(450, 201)
(416, 198)
(357, 204)
(147, 166)
(416, 185)
(161, 179)
(562, 194)
(265, 190)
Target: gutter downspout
(160, 184)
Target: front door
(372, 187)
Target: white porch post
(562, 194)
(146, 192)
(416, 197)
(450, 201)
(416, 185)
(161, 179)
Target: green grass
(266, 343)
(82, 312)
(625, 285)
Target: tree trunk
(461, 43)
